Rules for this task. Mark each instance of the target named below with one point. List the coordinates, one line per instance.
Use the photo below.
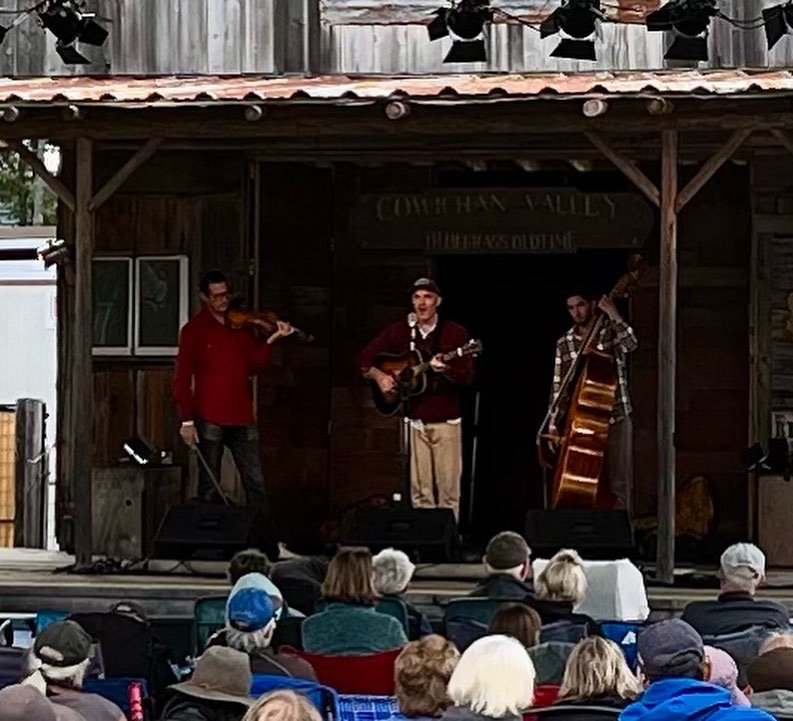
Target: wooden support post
(123, 174)
(629, 168)
(38, 167)
(708, 170)
(81, 371)
(784, 138)
(667, 358)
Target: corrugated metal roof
(340, 89)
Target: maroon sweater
(441, 402)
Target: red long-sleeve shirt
(441, 402)
(213, 369)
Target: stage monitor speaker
(425, 534)
(593, 533)
(208, 532)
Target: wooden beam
(667, 358)
(124, 173)
(38, 167)
(708, 170)
(784, 138)
(82, 381)
(629, 169)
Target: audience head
(392, 571)
(742, 568)
(563, 579)
(60, 656)
(596, 668)
(282, 706)
(349, 578)
(250, 620)
(422, 674)
(509, 553)
(494, 677)
(25, 703)
(221, 674)
(671, 649)
(248, 561)
(722, 671)
(772, 671)
(518, 621)
(776, 640)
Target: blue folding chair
(116, 690)
(368, 708)
(624, 634)
(47, 616)
(325, 699)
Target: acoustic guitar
(410, 372)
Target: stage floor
(29, 582)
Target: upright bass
(573, 437)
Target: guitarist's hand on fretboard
(438, 365)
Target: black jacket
(187, 708)
(503, 585)
(609, 707)
(734, 612)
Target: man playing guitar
(435, 433)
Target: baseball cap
(63, 644)
(743, 555)
(250, 609)
(669, 648)
(425, 284)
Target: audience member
(252, 567)
(523, 623)
(560, 587)
(771, 681)
(250, 625)
(597, 675)
(57, 664)
(737, 609)
(349, 623)
(300, 580)
(775, 640)
(248, 561)
(219, 689)
(723, 671)
(494, 679)
(672, 661)
(393, 571)
(422, 674)
(507, 562)
(282, 706)
(25, 703)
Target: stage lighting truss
(68, 22)
(778, 22)
(465, 23)
(690, 21)
(578, 21)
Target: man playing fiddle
(618, 338)
(212, 391)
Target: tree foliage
(19, 195)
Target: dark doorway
(516, 305)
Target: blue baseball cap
(250, 609)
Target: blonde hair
(349, 578)
(282, 706)
(596, 667)
(563, 579)
(776, 640)
(421, 674)
(494, 677)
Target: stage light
(56, 252)
(465, 22)
(141, 451)
(66, 20)
(577, 19)
(778, 22)
(690, 20)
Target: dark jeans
(243, 444)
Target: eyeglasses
(219, 296)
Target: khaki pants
(436, 465)
(619, 462)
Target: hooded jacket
(686, 699)
(779, 702)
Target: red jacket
(212, 371)
(441, 402)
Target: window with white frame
(140, 304)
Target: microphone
(413, 319)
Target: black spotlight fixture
(778, 22)
(68, 22)
(465, 22)
(56, 252)
(578, 20)
(690, 20)
(141, 451)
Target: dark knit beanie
(771, 671)
(506, 550)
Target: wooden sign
(494, 220)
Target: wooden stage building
(324, 197)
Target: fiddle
(266, 319)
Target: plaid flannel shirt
(617, 337)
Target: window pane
(159, 302)
(111, 300)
